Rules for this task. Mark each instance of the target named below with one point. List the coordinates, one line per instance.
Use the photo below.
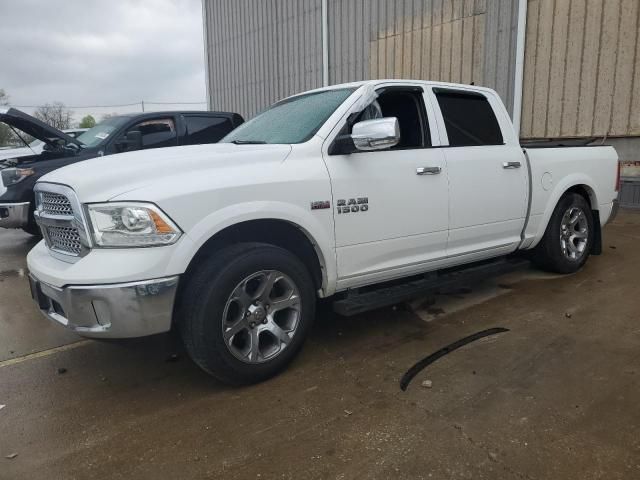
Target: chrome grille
(59, 214)
(56, 204)
(65, 239)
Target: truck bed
(553, 170)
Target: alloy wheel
(261, 316)
(574, 233)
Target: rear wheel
(246, 312)
(567, 241)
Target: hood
(103, 178)
(34, 127)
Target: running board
(391, 293)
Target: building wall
(461, 41)
(259, 51)
(582, 72)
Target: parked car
(116, 134)
(321, 195)
(36, 146)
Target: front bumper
(123, 310)
(14, 215)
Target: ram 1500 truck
(122, 133)
(355, 185)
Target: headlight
(11, 176)
(131, 225)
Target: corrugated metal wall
(582, 71)
(259, 51)
(262, 50)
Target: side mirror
(131, 141)
(377, 134)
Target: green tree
(87, 122)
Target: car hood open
(34, 127)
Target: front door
(391, 206)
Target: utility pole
(142, 103)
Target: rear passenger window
(469, 119)
(206, 129)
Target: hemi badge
(319, 205)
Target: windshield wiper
(248, 142)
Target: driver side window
(407, 105)
(156, 133)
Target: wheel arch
(272, 231)
(584, 190)
(582, 187)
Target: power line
(114, 106)
(175, 103)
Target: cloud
(90, 52)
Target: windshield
(101, 132)
(294, 120)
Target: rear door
(488, 180)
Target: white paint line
(44, 353)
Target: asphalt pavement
(555, 397)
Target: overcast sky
(91, 52)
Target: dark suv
(117, 134)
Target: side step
(391, 293)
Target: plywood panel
(467, 50)
(634, 111)
(607, 61)
(589, 78)
(542, 70)
(623, 93)
(478, 50)
(531, 45)
(558, 68)
(573, 68)
(591, 67)
(456, 48)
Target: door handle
(511, 165)
(428, 170)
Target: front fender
(312, 226)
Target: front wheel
(246, 311)
(567, 242)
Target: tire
(567, 242)
(229, 322)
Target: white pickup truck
(323, 193)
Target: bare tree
(6, 136)
(55, 114)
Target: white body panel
(474, 209)
(555, 170)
